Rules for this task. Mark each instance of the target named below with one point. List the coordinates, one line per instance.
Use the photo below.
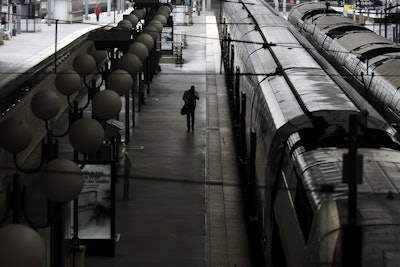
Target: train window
(376, 52)
(312, 13)
(382, 61)
(303, 210)
(340, 31)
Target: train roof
(390, 70)
(336, 25)
(317, 92)
(378, 197)
(352, 41)
(309, 9)
(292, 90)
(270, 19)
(323, 166)
(369, 51)
(379, 218)
(315, 89)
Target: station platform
(23, 51)
(185, 204)
(184, 207)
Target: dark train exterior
(370, 61)
(297, 116)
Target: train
(300, 124)
(369, 61)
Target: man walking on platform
(198, 7)
(190, 97)
(97, 11)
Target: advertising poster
(95, 202)
(167, 39)
(96, 207)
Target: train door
(324, 242)
(288, 203)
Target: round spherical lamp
(146, 39)
(99, 56)
(84, 64)
(164, 9)
(139, 13)
(139, 49)
(106, 104)
(68, 82)
(130, 63)
(125, 24)
(161, 18)
(61, 180)
(21, 246)
(120, 81)
(133, 19)
(152, 31)
(86, 135)
(156, 24)
(15, 135)
(171, 6)
(45, 104)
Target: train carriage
(371, 62)
(299, 116)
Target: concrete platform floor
(184, 207)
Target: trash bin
(14, 32)
(178, 53)
(78, 260)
